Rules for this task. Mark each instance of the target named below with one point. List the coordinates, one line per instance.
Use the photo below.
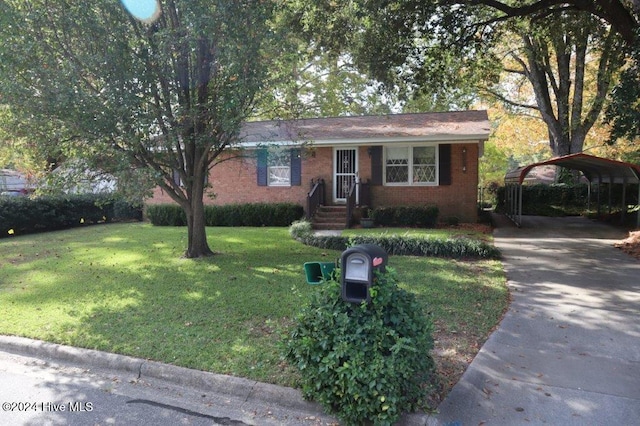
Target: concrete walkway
(568, 350)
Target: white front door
(345, 172)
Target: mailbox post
(358, 266)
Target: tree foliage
(310, 83)
(438, 47)
(169, 97)
(412, 47)
(569, 60)
(622, 15)
(624, 111)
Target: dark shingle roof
(459, 125)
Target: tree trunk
(197, 235)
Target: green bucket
(317, 272)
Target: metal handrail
(351, 203)
(315, 197)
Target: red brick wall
(458, 199)
(235, 181)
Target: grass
(124, 288)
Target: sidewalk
(568, 349)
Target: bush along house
(340, 168)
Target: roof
(439, 126)
(598, 169)
(11, 180)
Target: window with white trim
(411, 165)
(279, 167)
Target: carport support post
(638, 212)
(624, 200)
(638, 204)
(599, 189)
(519, 205)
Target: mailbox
(358, 265)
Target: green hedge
(253, 214)
(401, 245)
(563, 199)
(22, 215)
(416, 216)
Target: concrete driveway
(568, 349)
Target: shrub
(401, 245)
(253, 214)
(300, 229)
(367, 362)
(166, 215)
(25, 215)
(455, 248)
(418, 216)
(562, 199)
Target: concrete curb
(247, 390)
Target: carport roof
(595, 169)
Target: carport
(597, 170)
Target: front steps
(330, 217)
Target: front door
(345, 173)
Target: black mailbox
(358, 264)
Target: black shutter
(296, 167)
(262, 167)
(376, 165)
(444, 164)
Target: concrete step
(330, 217)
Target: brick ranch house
(402, 159)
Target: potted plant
(367, 219)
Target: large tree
(169, 97)
(622, 15)
(624, 110)
(427, 50)
(568, 60)
(438, 45)
(309, 82)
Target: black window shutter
(376, 165)
(444, 164)
(262, 167)
(296, 168)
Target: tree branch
(615, 12)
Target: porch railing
(315, 197)
(351, 203)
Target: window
(424, 164)
(279, 167)
(411, 165)
(397, 165)
(178, 180)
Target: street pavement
(567, 352)
(48, 384)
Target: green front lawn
(124, 288)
